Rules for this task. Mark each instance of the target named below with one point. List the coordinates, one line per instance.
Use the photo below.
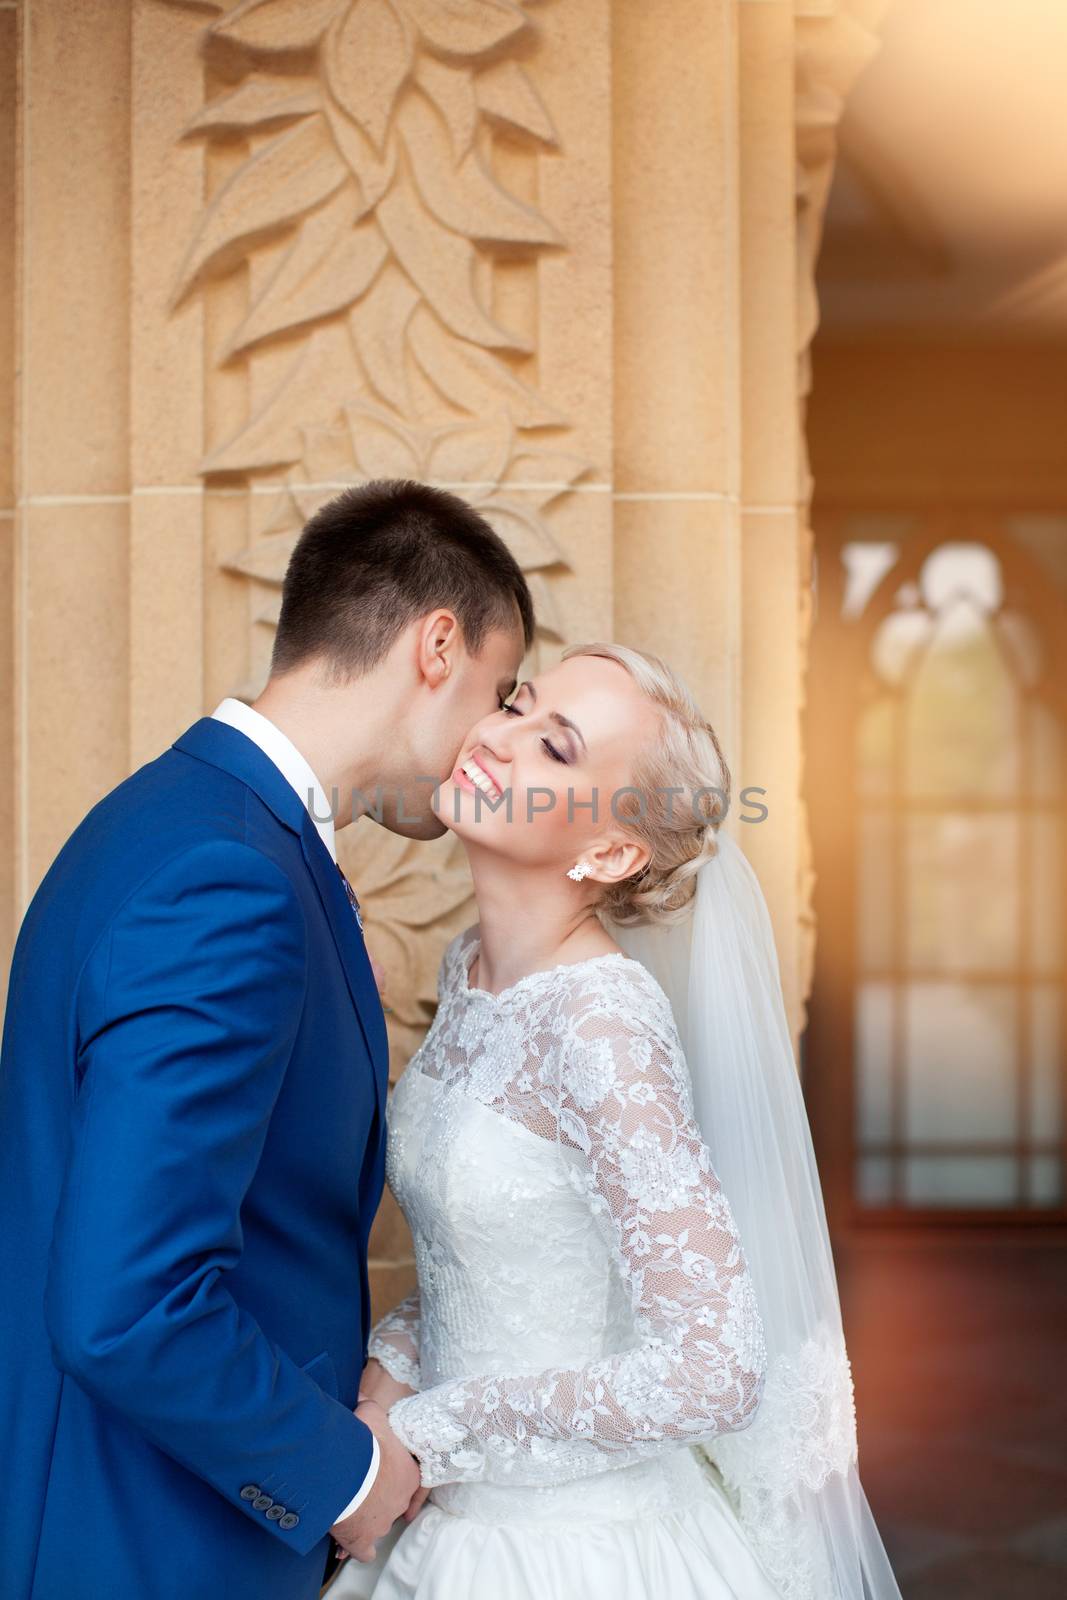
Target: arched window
(938, 825)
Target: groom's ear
(438, 641)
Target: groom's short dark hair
(378, 557)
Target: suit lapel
(234, 752)
(359, 975)
(222, 746)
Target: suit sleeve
(187, 1013)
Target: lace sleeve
(626, 1131)
(394, 1341)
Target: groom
(192, 1095)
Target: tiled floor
(959, 1354)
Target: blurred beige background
(579, 261)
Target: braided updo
(679, 829)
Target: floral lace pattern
(805, 1433)
(394, 1342)
(584, 1300)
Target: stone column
(69, 733)
(718, 202)
(774, 575)
(677, 345)
(9, 204)
(834, 41)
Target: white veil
(792, 1474)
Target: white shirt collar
(280, 749)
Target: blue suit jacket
(192, 1119)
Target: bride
(623, 1371)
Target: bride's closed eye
(512, 711)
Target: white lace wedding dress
(584, 1314)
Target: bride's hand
(418, 1500)
(379, 1386)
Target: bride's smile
(555, 754)
(542, 783)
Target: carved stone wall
(377, 257)
(555, 255)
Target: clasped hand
(397, 1490)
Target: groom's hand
(377, 1384)
(397, 1482)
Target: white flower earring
(579, 872)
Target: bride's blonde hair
(679, 829)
